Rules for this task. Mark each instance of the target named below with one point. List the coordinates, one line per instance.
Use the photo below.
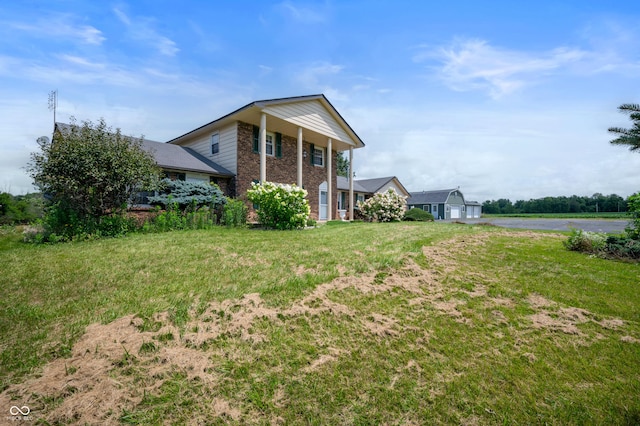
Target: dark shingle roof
(176, 157)
(173, 157)
(372, 185)
(343, 185)
(429, 197)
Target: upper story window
(318, 157)
(273, 142)
(215, 143)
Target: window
(342, 200)
(215, 143)
(274, 143)
(270, 143)
(175, 176)
(318, 157)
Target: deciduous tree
(88, 171)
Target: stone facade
(282, 170)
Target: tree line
(15, 209)
(573, 204)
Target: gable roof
(314, 113)
(430, 197)
(374, 185)
(368, 186)
(343, 185)
(172, 157)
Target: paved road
(593, 225)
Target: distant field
(606, 215)
(358, 324)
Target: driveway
(592, 225)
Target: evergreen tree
(629, 137)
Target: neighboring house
(289, 140)
(364, 189)
(445, 204)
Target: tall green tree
(89, 171)
(342, 165)
(628, 137)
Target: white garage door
(455, 212)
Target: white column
(263, 148)
(351, 201)
(329, 180)
(300, 157)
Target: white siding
(227, 156)
(391, 184)
(197, 177)
(313, 116)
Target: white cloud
(318, 78)
(141, 30)
(476, 65)
(61, 26)
(303, 14)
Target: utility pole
(53, 104)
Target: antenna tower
(53, 103)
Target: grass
(359, 323)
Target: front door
(322, 208)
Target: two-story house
(288, 140)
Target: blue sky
(504, 99)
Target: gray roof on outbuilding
(429, 197)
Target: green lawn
(405, 323)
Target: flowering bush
(280, 206)
(388, 206)
(585, 241)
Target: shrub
(601, 245)
(63, 223)
(280, 206)
(191, 195)
(418, 215)
(622, 246)
(388, 206)
(175, 219)
(585, 241)
(89, 171)
(633, 208)
(234, 213)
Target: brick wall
(281, 170)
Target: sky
(503, 99)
